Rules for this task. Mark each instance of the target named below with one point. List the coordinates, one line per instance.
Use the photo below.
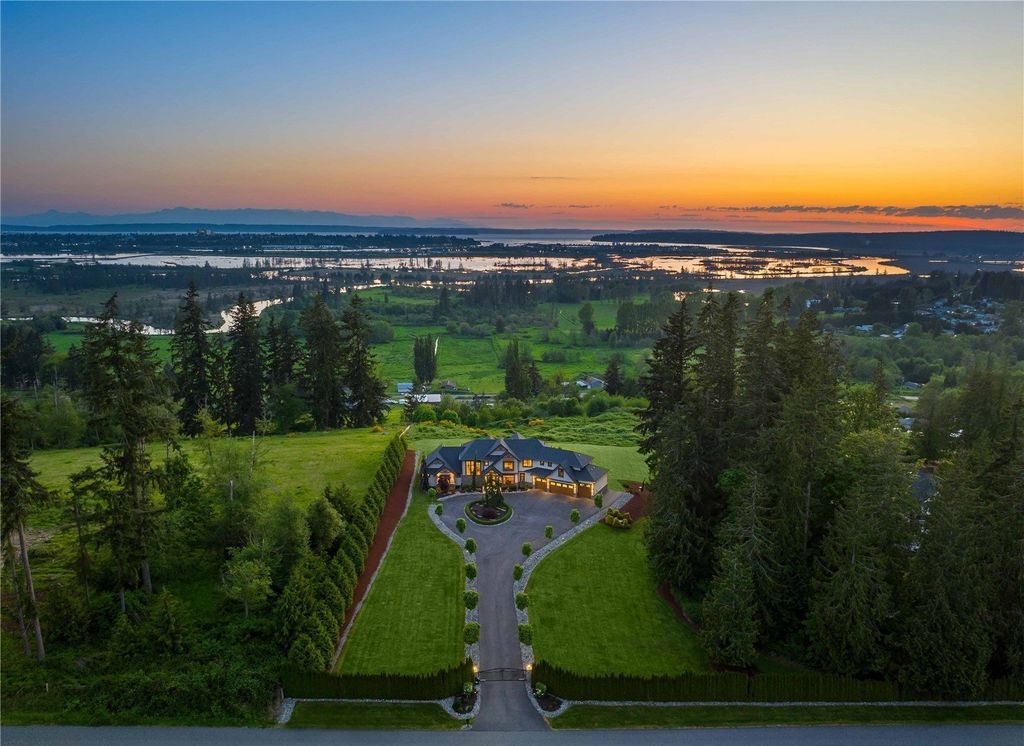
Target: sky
(762, 116)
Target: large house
(514, 460)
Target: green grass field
(411, 621)
(350, 715)
(595, 610)
(595, 716)
(298, 465)
(624, 463)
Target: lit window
(561, 471)
(527, 463)
(510, 465)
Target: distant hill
(195, 216)
(917, 242)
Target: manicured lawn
(624, 463)
(595, 610)
(411, 621)
(298, 466)
(370, 716)
(593, 716)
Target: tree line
(784, 497)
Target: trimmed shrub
(522, 601)
(526, 634)
(517, 572)
(598, 500)
(432, 494)
(439, 510)
(574, 516)
(617, 518)
(470, 599)
(471, 633)
(527, 549)
(549, 531)
(736, 687)
(321, 684)
(470, 570)
(471, 546)
(460, 524)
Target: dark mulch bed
(486, 514)
(393, 509)
(637, 505)
(548, 703)
(464, 703)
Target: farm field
(411, 621)
(298, 465)
(621, 625)
(597, 716)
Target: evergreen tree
(220, 385)
(759, 373)
(586, 315)
(667, 383)
(245, 367)
(282, 354)
(852, 609)
(729, 627)
(613, 375)
(126, 396)
(424, 354)
(517, 375)
(366, 391)
(20, 493)
(323, 365)
(947, 633)
(443, 307)
(190, 357)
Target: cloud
(553, 178)
(974, 212)
(514, 206)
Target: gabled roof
(577, 467)
(447, 455)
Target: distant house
(449, 385)
(912, 384)
(514, 460)
(590, 383)
(404, 388)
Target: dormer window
(509, 465)
(561, 471)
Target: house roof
(447, 455)
(577, 467)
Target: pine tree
(20, 493)
(245, 367)
(586, 315)
(443, 307)
(220, 385)
(424, 353)
(323, 365)
(366, 391)
(190, 357)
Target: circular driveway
(505, 705)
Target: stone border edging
(471, 615)
(566, 704)
(373, 578)
(531, 562)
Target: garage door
(561, 489)
(586, 490)
(540, 484)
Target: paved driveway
(506, 705)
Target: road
(874, 735)
(505, 705)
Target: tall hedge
(737, 687)
(438, 685)
(316, 613)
